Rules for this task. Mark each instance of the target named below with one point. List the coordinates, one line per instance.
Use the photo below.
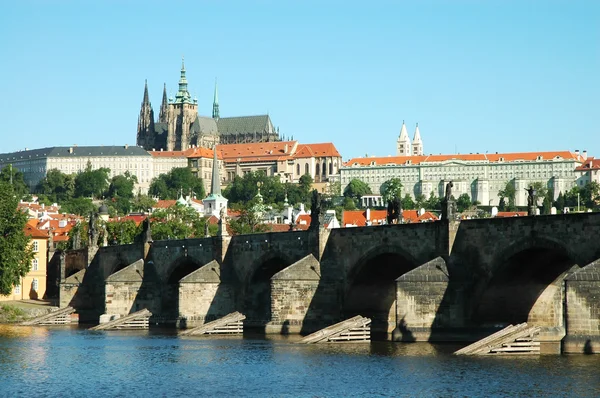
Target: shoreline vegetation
(12, 312)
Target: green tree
(391, 189)
(121, 186)
(560, 203)
(57, 186)
(79, 206)
(463, 202)
(508, 194)
(250, 219)
(420, 201)
(590, 195)
(433, 203)
(142, 203)
(541, 190)
(356, 189)
(122, 232)
(14, 177)
(178, 181)
(408, 203)
(244, 189)
(15, 252)
(91, 183)
(177, 222)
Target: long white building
(481, 176)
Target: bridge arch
(256, 288)
(525, 284)
(180, 267)
(370, 287)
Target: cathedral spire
(162, 115)
(403, 145)
(146, 100)
(145, 122)
(417, 144)
(215, 112)
(183, 95)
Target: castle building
(180, 127)
(481, 176)
(404, 146)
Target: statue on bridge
(93, 232)
(448, 209)
(531, 205)
(316, 210)
(394, 211)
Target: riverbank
(22, 310)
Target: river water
(71, 362)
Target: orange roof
(511, 214)
(201, 152)
(316, 150)
(168, 154)
(256, 151)
(491, 158)
(137, 218)
(378, 217)
(164, 204)
(589, 164)
(34, 232)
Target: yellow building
(33, 285)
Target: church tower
(215, 113)
(403, 148)
(164, 106)
(182, 113)
(145, 130)
(417, 144)
(215, 204)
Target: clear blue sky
(477, 75)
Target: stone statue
(77, 236)
(93, 230)
(315, 210)
(531, 196)
(394, 211)
(448, 191)
(222, 223)
(206, 233)
(146, 230)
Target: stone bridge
(435, 281)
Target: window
(35, 246)
(18, 289)
(34, 264)
(298, 169)
(306, 169)
(34, 285)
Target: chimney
(70, 149)
(302, 208)
(126, 146)
(577, 153)
(285, 148)
(584, 154)
(368, 214)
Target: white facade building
(481, 176)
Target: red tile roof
(137, 218)
(326, 149)
(168, 154)
(492, 158)
(35, 233)
(164, 204)
(201, 152)
(378, 217)
(260, 151)
(511, 214)
(589, 164)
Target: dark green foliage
(177, 222)
(122, 232)
(433, 203)
(121, 186)
(8, 174)
(250, 219)
(408, 203)
(91, 183)
(178, 181)
(244, 189)
(15, 251)
(507, 196)
(57, 186)
(79, 206)
(391, 189)
(463, 202)
(142, 203)
(356, 189)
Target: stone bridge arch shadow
(525, 284)
(256, 292)
(370, 287)
(181, 267)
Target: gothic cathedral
(179, 126)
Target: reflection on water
(76, 362)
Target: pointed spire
(146, 100)
(417, 145)
(215, 187)
(215, 112)
(183, 95)
(403, 144)
(162, 115)
(403, 132)
(417, 136)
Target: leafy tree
(463, 202)
(590, 195)
(433, 203)
(79, 206)
(250, 219)
(121, 186)
(391, 189)
(13, 176)
(57, 186)
(122, 232)
(502, 204)
(420, 201)
(573, 197)
(142, 203)
(177, 222)
(541, 190)
(560, 203)
(244, 189)
(356, 189)
(408, 203)
(118, 206)
(176, 181)
(91, 183)
(15, 251)
(508, 194)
